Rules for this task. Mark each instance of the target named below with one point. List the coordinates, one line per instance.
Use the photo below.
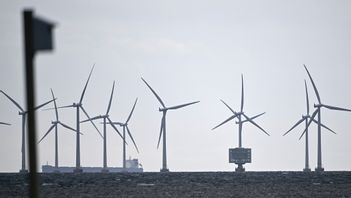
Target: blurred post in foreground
(37, 37)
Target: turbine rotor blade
(4, 123)
(335, 108)
(299, 122)
(86, 84)
(229, 107)
(324, 126)
(131, 112)
(40, 106)
(254, 123)
(242, 93)
(68, 127)
(56, 112)
(183, 105)
(161, 129)
(62, 107)
(225, 121)
(91, 121)
(52, 126)
(158, 97)
(109, 104)
(307, 101)
(254, 117)
(309, 122)
(114, 123)
(314, 86)
(12, 100)
(115, 128)
(131, 137)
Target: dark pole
(30, 93)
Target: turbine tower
(318, 107)
(306, 118)
(164, 110)
(126, 128)
(54, 124)
(105, 117)
(23, 114)
(240, 122)
(79, 106)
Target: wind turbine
(106, 117)
(23, 114)
(318, 107)
(126, 128)
(54, 124)
(164, 110)
(240, 122)
(306, 118)
(79, 106)
(4, 123)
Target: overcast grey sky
(187, 51)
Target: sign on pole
(240, 155)
(43, 37)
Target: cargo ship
(132, 165)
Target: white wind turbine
(318, 107)
(306, 118)
(240, 122)
(79, 106)
(55, 124)
(164, 110)
(23, 114)
(106, 118)
(126, 128)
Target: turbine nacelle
(162, 109)
(318, 105)
(104, 116)
(247, 118)
(123, 124)
(77, 104)
(305, 116)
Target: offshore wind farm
(207, 180)
(238, 155)
(115, 88)
(195, 70)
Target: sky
(187, 51)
